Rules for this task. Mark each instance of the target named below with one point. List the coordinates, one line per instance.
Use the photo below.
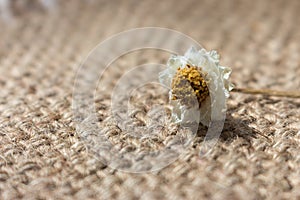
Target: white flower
(216, 78)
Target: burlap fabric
(42, 155)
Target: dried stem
(290, 94)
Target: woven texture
(42, 155)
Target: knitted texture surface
(42, 155)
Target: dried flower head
(198, 83)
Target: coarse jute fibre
(42, 156)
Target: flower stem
(289, 94)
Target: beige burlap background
(42, 155)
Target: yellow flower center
(189, 83)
